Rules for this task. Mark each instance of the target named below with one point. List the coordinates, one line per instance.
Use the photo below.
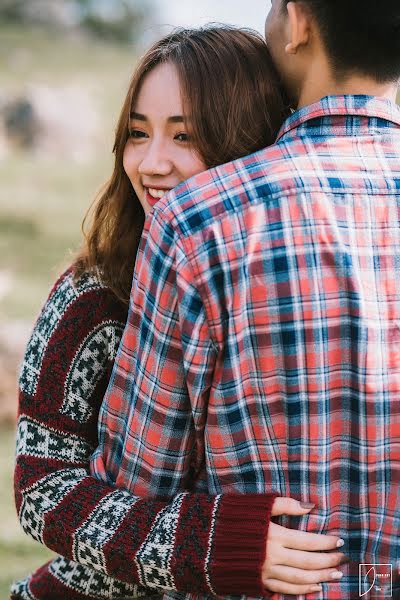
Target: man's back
(302, 278)
(301, 275)
(287, 271)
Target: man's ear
(299, 18)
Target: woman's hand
(297, 561)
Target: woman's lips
(154, 195)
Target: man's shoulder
(229, 188)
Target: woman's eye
(182, 137)
(136, 134)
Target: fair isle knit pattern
(96, 351)
(43, 497)
(20, 589)
(90, 540)
(88, 582)
(160, 543)
(81, 580)
(45, 442)
(112, 545)
(56, 306)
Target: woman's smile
(153, 195)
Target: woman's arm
(194, 542)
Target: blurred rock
(57, 122)
(20, 123)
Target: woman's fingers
(297, 561)
(289, 506)
(282, 587)
(300, 577)
(303, 540)
(308, 560)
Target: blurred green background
(63, 79)
(65, 66)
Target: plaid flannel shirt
(262, 348)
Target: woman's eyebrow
(140, 117)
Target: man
(261, 351)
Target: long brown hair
(232, 94)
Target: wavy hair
(231, 93)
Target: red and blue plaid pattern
(262, 348)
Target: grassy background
(42, 202)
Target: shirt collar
(336, 106)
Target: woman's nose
(155, 160)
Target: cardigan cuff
(239, 545)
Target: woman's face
(158, 154)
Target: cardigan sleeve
(109, 540)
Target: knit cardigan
(107, 538)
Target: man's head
(339, 38)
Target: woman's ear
(299, 26)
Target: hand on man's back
(307, 551)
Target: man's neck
(316, 86)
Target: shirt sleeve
(152, 420)
(111, 539)
(153, 417)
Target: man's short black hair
(360, 36)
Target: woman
(198, 98)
